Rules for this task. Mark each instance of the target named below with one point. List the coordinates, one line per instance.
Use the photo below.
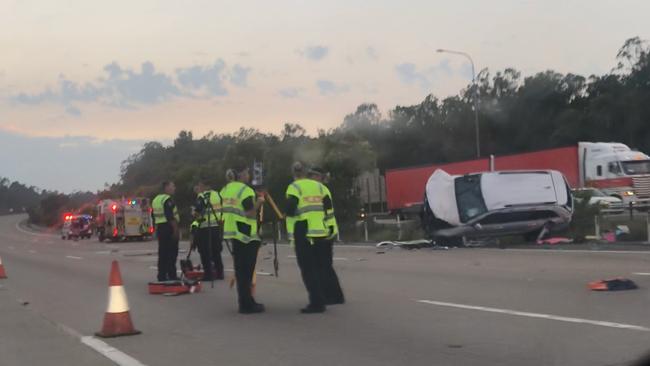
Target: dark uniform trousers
(167, 252)
(204, 250)
(307, 258)
(329, 280)
(245, 257)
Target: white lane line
(537, 315)
(73, 257)
(259, 273)
(641, 273)
(578, 251)
(340, 259)
(113, 354)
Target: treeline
(17, 197)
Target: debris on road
(614, 284)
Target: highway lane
(404, 307)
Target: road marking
(339, 259)
(259, 273)
(109, 352)
(578, 251)
(537, 315)
(72, 257)
(641, 273)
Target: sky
(92, 80)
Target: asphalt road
(424, 307)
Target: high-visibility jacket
(214, 214)
(330, 219)
(194, 225)
(310, 194)
(232, 198)
(158, 207)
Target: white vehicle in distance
(597, 198)
(495, 204)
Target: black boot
(252, 309)
(313, 309)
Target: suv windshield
(469, 197)
(636, 167)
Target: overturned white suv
(494, 204)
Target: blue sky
(122, 72)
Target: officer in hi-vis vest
(166, 219)
(208, 207)
(307, 225)
(325, 247)
(239, 210)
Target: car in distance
(494, 204)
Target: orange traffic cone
(117, 320)
(3, 274)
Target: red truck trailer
(613, 167)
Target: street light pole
(475, 85)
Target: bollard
(647, 225)
(365, 229)
(597, 227)
(399, 228)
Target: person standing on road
(208, 206)
(240, 207)
(325, 246)
(166, 218)
(306, 221)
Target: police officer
(240, 207)
(325, 246)
(208, 206)
(307, 216)
(166, 219)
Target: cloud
(290, 93)
(63, 163)
(314, 53)
(129, 88)
(327, 87)
(207, 78)
(371, 52)
(239, 75)
(408, 73)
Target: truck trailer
(612, 167)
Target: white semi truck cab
(615, 169)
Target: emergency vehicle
(76, 226)
(124, 219)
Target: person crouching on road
(240, 207)
(166, 219)
(208, 206)
(306, 222)
(325, 246)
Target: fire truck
(124, 220)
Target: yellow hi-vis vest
(330, 219)
(215, 213)
(194, 225)
(310, 194)
(232, 197)
(158, 207)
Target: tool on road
(3, 274)
(614, 284)
(175, 288)
(117, 320)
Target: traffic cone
(3, 274)
(117, 320)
